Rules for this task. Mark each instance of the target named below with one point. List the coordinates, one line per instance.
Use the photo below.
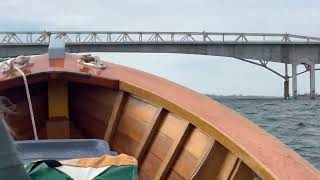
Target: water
(295, 122)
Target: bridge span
(255, 48)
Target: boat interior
(165, 144)
(168, 141)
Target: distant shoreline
(250, 97)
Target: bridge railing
(44, 37)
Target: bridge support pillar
(286, 89)
(286, 83)
(312, 81)
(294, 81)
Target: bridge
(255, 48)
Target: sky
(205, 74)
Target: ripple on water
(295, 122)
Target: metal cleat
(90, 61)
(19, 62)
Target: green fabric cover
(119, 173)
(43, 172)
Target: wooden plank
(241, 172)
(217, 165)
(124, 144)
(191, 112)
(149, 166)
(58, 99)
(160, 147)
(150, 133)
(58, 126)
(192, 154)
(235, 169)
(199, 144)
(227, 166)
(204, 157)
(185, 164)
(115, 114)
(206, 152)
(134, 128)
(173, 152)
(139, 110)
(18, 81)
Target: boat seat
(60, 149)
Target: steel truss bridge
(43, 37)
(255, 48)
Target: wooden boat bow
(240, 148)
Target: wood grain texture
(123, 143)
(149, 166)
(150, 133)
(173, 152)
(116, 111)
(166, 139)
(133, 127)
(138, 109)
(96, 101)
(58, 126)
(158, 150)
(90, 108)
(184, 165)
(219, 119)
(90, 126)
(242, 172)
(17, 81)
(19, 120)
(58, 99)
(192, 154)
(234, 169)
(218, 164)
(134, 121)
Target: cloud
(203, 73)
(167, 15)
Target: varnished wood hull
(174, 132)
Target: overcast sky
(205, 74)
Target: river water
(294, 122)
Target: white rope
(29, 102)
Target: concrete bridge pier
(286, 83)
(294, 81)
(312, 81)
(286, 89)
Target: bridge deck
(124, 36)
